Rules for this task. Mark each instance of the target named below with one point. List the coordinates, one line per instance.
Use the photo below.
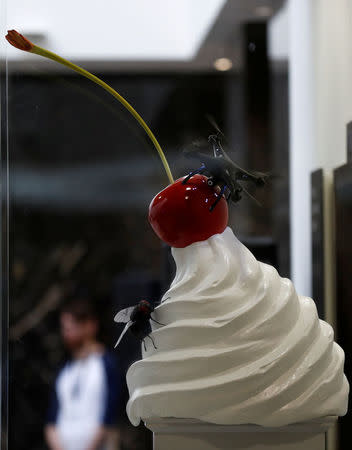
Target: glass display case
(81, 175)
(78, 173)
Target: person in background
(87, 393)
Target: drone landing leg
(221, 193)
(191, 174)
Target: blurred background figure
(87, 391)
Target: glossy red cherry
(180, 213)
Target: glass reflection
(82, 175)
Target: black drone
(223, 172)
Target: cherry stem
(22, 43)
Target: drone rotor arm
(251, 196)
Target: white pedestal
(191, 434)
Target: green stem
(50, 55)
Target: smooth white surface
(239, 346)
(278, 35)
(80, 416)
(320, 107)
(302, 144)
(173, 434)
(133, 36)
(243, 441)
(163, 425)
(332, 40)
(115, 30)
(320, 64)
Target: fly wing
(124, 315)
(128, 324)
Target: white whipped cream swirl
(239, 346)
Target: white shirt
(85, 399)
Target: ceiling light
(223, 64)
(263, 11)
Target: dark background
(343, 221)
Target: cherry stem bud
(22, 43)
(17, 40)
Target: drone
(137, 319)
(223, 172)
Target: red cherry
(180, 213)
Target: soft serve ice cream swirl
(238, 345)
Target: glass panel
(83, 172)
(4, 227)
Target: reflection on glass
(82, 175)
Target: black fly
(223, 172)
(137, 320)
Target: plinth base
(191, 434)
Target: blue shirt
(86, 394)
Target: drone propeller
(251, 196)
(214, 124)
(254, 174)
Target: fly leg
(191, 174)
(148, 335)
(221, 193)
(156, 321)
